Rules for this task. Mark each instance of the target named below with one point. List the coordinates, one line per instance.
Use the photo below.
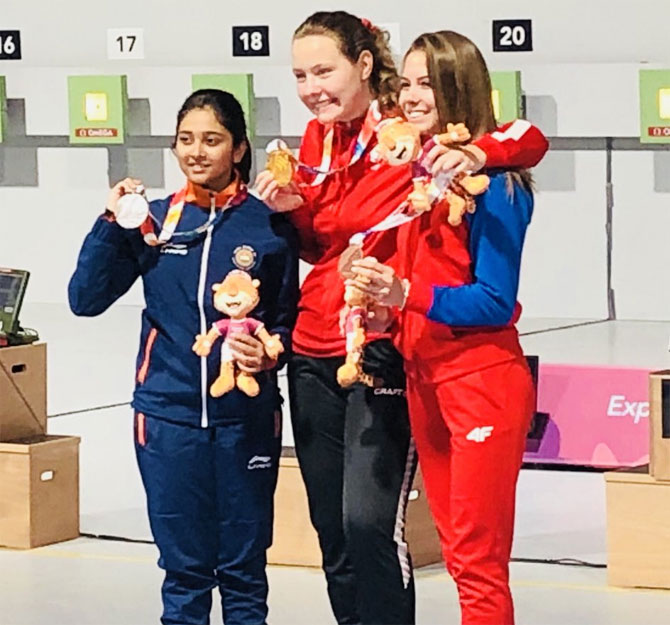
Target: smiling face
(332, 87)
(205, 150)
(417, 98)
(237, 295)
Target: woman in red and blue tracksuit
(470, 392)
(209, 465)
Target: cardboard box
(295, 540)
(39, 491)
(659, 425)
(420, 531)
(23, 391)
(638, 529)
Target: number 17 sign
(125, 43)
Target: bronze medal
(347, 258)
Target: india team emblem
(244, 257)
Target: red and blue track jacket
(462, 305)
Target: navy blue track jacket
(171, 381)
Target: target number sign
(251, 41)
(512, 36)
(10, 45)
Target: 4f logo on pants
(479, 435)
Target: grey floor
(88, 582)
(92, 582)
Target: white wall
(564, 271)
(42, 228)
(72, 33)
(581, 81)
(641, 239)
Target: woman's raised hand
(279, 199)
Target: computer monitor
(12, 288)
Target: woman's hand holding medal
(127, 202)
(379, 282)
(280, 199)
(275, 185)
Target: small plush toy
(462, 187)
(355, 314)
(460, 195)
(236, 297)
(399, 143)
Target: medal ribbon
(372, 118)
(234, 194)
(401, 215)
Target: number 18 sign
(251, 41)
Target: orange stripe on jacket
(141, 429)
(142, 373)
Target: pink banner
(598, 416)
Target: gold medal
(281, 162)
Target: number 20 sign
(512, 36)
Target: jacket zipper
(202, 285)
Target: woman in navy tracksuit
(209, 466)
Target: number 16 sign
(10, 45)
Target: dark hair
(229, 114)
(353, 37)
(462, 86)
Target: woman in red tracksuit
(353, 444)
(469, 389)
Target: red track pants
(470, 434)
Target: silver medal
(132, 209)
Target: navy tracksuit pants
(210, 500)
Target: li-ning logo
(395, 392)
(479, 435)
(619, 406)
(179, 249)
(259, 462)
